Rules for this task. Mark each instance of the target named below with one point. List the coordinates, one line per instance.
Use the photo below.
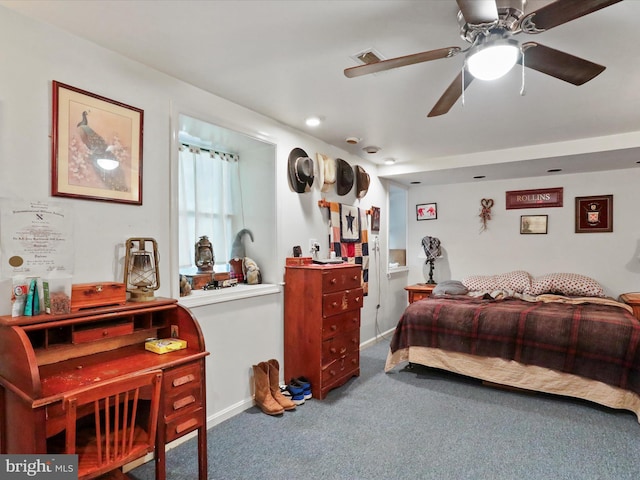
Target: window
(209, 202)
(225, 183)
(397, 226)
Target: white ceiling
(285, 59)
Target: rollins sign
(544, 197)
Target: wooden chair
(107, 425)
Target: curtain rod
(185, 144)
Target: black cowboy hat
(344, 177)
(300, 171)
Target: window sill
(199, 298)
(397, 271)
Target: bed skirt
(514, 374)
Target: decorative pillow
(518, 281)
(566, 284)
(451, 287)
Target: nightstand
(632, 299)
(423, 290)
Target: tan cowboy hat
(300, 171)
(362, 182)
(344, 177)
(327, 168)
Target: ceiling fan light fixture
(493, 58)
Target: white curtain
(209, 199)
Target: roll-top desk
(45, 357)
(322, 324)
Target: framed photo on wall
(375, 219)
(533, 224)
(594, 214)
(96, 147)
(427, 211)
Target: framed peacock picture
(96, 147)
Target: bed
(546, 338)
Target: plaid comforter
(596, 341)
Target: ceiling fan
(489, 25)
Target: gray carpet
(420, 424)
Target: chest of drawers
(322, 324)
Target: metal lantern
(204, 257)
(141, 274)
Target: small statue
(204, 256)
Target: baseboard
(232, 411)
(376, 339)
(227, 413)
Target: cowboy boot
(274, 384)
(262, 394)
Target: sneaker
(306, 386)
(284, 391)
(297, 393)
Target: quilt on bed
(596, 341)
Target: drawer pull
(184, 380)
(105, 333)
(183, 402)
(334, 327)
(181, 427)
(332, 373)
(334, 304)
(355, 277)
(357, 299)
(333, 281)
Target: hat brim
(344, 177)
(295, 183)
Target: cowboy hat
(300, 171)
(327, 167)
(362, 182)
(344, 177)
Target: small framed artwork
(533, 224)
(96, 147)
(594, 214)
(375, 219)
(427, 211)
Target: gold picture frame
(96, 147)
(533, 224)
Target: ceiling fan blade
(559, 12)
(451, 95)
(478, 11)
(401, 61)
(561, 65)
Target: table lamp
(432, 250)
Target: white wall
(238, 333)
(611, 258)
